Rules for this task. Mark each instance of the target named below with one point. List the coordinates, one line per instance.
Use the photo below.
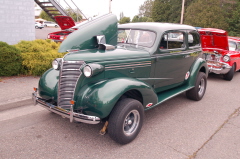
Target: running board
(163, 96)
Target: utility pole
(110, 6)
(183, 2)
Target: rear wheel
(125, 121)
(198, 91)
(229, 75)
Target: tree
(121, 15)
(124, 20)
(207, 13)
(145, 10)
(233, 20)
(160, 10)
(135, 19)
(168, 10)
(76, 16)
(45, 16)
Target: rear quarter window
(193, 39)
(172, 40)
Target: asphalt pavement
(16, 91)
(222, 144)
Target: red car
(221, 52)
(67, 25)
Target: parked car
(234, 43)
(114, 73)
(221, 52)
(39, 25)
(50, 24)
(67, 25)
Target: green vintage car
(113, 73)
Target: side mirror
(101, 39)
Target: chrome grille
(68, 78)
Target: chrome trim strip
(127, 65)
(116, 68)
(142, 62)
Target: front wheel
(229, 75)
(198, 91)
(125, 121)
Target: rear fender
(99, 99)
(200, 65)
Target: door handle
(132, 71)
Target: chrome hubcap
(201, 87)
(131, 122)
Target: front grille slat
(69, 75)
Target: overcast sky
(130, 8)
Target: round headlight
(226, 58)
(61, 37)
(87, 71)
(55, 64)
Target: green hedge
(37, 56)
(10, 60)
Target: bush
(10, 60)
(37, 56)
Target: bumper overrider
(73, 116)
(218, 67)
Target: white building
(37, 10)
(17, 20)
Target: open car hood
(212, 38)
(85, 36)
(64, 22)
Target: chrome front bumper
(73, 116)
(218, 67)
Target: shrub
(10, 60)
(37, 55)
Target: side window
(238, 46)
(172, 40)
(122, 35)
(193, 39)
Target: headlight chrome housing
(87, 71)
(226, 58)
(56, 64)
(91, 69)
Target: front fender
(48, 84)
(200, 65)
(99, 99)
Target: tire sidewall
(193, 93)
(230, 74)
(201, 75)
(117, 119)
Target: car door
(174, 58)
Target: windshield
(232, 46)
(136, 37)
